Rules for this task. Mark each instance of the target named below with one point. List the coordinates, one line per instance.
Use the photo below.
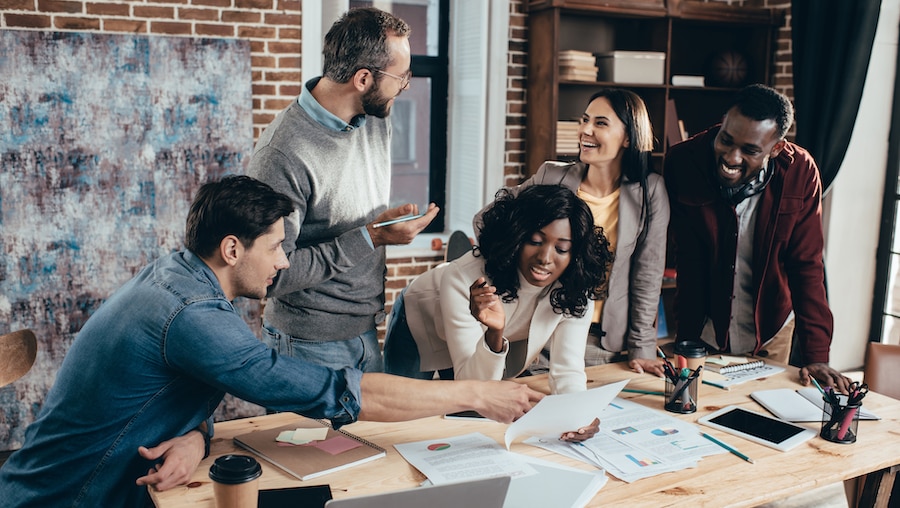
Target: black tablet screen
(757, 425)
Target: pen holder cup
(681, 396)
(840, 422)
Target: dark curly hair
(511, 220)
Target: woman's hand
(485, 305)
(582, 434)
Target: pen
(645, 392)
(817, 385)
(713, 383)
(730, 449)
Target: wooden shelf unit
(689, 33)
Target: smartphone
(395, 221)
(465, 415)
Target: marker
(395, 221)
(730, 449)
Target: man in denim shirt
(156, 359)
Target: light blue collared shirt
(322, 115)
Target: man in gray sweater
(329, 151)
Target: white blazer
(447, 335)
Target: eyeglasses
(404, 80)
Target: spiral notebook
(339, 450)
(737, 373)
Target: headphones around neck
(735, 195)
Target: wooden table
(719, 480)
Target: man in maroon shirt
(747, 232)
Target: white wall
(855, 201)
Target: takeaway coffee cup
(235, 481)
(689, 354)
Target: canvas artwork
(104, 140)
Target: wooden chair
(17, 353)
(882, 375)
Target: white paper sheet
(556, 414)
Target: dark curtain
(832, 42)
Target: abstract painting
(104, 140)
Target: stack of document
(535, 482)
(636, 442)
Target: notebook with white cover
(804, 405)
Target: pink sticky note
(336, 445)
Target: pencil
(645, 392)
(730, 449)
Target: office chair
(17, 354)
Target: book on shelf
(724, 376)
(674, 127)
(338, 450)
(578, 73)
(803, 405)
(574, 55)
(684, 80)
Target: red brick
(289, 33)
(284, 47)
(259, 32)
(16, 5)
(253, 4)
(262, 61)
(261, 89)
(282, 19)
(212, 3)
(289, 62)
(289, 5)
(168, 1)
(276, 104)
(198, 14)
(255, 76)
(27, 21)
(241, 17)
(292, 90)
(214, 30)
(108, 9)
(60, 6)
(125, 25)
(262, 118)
(257, 46)
(67, 23)
(292, 76)
(171, 28)
(154, 12)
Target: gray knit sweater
(339, 181)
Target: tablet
(757, 427)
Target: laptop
(487, 493)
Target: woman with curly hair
(531, 283)
(629, 201)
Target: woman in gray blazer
(612, 175)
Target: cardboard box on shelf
(639, 67)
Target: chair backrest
(882, 371)
(17, 353)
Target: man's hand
(582, 434)
(400, 233)
(826, 376)
(649, 365)
(505, 401)
(180, 458)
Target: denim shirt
(152, 364)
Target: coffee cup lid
(690, 349)
(232, 469)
